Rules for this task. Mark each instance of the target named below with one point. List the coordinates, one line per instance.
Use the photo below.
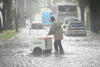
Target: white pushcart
(42, 45)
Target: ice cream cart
(42, 45)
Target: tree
(82, 5)
(95, 15)
(7, 17)
(6, 11)
(1, 30)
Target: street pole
(17, 15)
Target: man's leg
(56, 45)
(60, 47)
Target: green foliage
(76, 1)
(8, 34)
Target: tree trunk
(94, 16)
(9, 15)
(92, 24)
(82, 5)
(7, 21)
(4, 15)
(16, 23)
(97, 23)
(1, 30)
(83, 15)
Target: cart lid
(44, 38)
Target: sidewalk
(3, 42)
(8, 42)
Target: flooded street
(26, 28)
(83, 51)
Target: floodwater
(80, 51)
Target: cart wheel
(47, 52)
(37, 51)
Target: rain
(27, 40)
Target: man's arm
(52, 29)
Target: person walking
(57, 31)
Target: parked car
(36, 25)
(67, 21)
(76, 28)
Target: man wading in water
(57, 31)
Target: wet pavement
(79, 51)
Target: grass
(8, 34)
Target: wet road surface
(79, 51)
